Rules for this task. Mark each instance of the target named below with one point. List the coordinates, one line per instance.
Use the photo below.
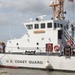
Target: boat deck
(45, 54)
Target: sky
(13, 13)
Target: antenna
(58, 9)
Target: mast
(58, 9)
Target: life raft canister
(69, 42)
(49, 47)
(56, 48)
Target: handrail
(27, 48)
(67, 36)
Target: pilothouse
(40, 34)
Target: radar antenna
(58, 9)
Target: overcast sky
(16, 12)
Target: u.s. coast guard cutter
(47, 44)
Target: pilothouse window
(29, 26)
(61, 25)
(42, 25)
(55, 25)
(36, 26)
(49, 25)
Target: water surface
(34, 72)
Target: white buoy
(47, 65)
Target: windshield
(29, 26)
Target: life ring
(69, 42)
(56, 48)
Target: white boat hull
(38, 61)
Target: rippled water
(34, 72)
